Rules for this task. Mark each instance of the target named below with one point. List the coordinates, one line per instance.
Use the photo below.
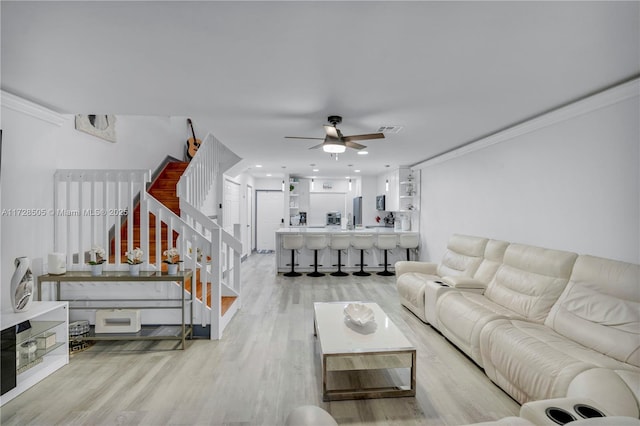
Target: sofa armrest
(615, 390)
(463, 282)
(405, 266)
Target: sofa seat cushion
(531, 362)
(411, 291)
(461, 316)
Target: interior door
(269, 217)
(249, 237)
(231, 206)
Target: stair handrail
(197, 179)
(191, 244)
(204, 173)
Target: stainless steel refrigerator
(357, 211)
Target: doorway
(231, 205)
(269, 218)
(249, 236)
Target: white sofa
(545, 320)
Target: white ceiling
(254, 72)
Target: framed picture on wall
(99, 125)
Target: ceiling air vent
(389, 129)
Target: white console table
(161, 332)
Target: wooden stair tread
(226, 303)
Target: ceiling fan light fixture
(334, 146)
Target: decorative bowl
(359, 314)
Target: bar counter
(328, 258)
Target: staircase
(124, 209)
(163, 189)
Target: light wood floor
(266, 364)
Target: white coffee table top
(336, 336)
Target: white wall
(571, 185)
(369, 193)
(32, 149)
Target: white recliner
(462, 258)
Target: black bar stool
(362, 242)
(386, 242)
(292, 242)
(409, 242)
(340, 242)
(315, 242)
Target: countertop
(338, 230)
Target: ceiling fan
(335, 142)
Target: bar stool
(409, 241)
(292, 242)
(362, 242)
(386, 242)
(315, 242)
(339, 242)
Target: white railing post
(216, 280)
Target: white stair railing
(90, 207)
(204, 173)
(198, 178)
(194, 249)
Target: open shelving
(21, 371)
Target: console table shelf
(156, 332)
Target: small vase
(134, 269)
(172, 268)
(22, 285)
(96, 269)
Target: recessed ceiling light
(268, 174)
(363, 152)
(316, 170)
(258, 165)
(357, 170)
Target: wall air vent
(389, 129)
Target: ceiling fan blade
(317, 146)
(302, 137)
(354, 145)
(332, 132)
(363, 137)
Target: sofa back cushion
(492, 259)
(463, 256)
(530, 280)
(600, 308)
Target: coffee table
(346, 347)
